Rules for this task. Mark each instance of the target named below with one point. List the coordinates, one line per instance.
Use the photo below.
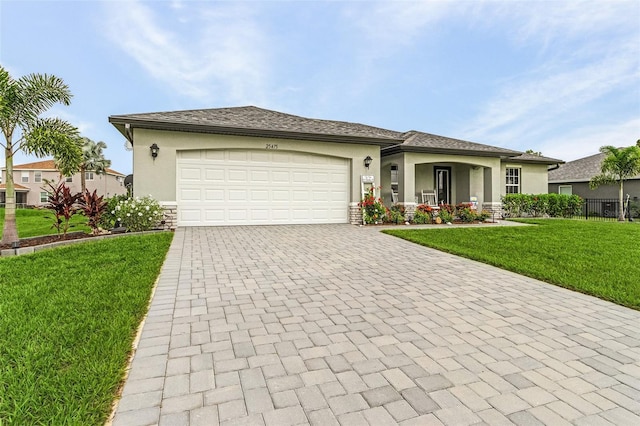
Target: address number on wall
(271, 146)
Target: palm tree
(619, 165)
(92, 160)
(22, 101)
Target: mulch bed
(46, 239)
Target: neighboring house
(574, 176)
(30, 185)
(248, 165)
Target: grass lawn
(68, 317)
(597, 258)
(36, 222)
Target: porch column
(492, 185)
(406, 186)
(476, 184)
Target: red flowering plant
(373, 211)
(424, 213)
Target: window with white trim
(88, 175)
(24, 177)
(44, 197)
(37, 177)
(565, 189)
(513, 180)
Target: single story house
(253, 166)
(29, 180)
(574, 176)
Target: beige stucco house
(29, 180)
(248, 165)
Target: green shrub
(108, 218)
(420, 217)
(445, 215)
(138, 214)
(396, 214)
(552, 205)
(466, 214)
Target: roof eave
(120, 123)
(430, 150)
(532, 161)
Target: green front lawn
(597, 258)
(68, 317)
(36, 222)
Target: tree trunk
(621, 201)
(83, 180)
(9, 230)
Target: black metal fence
(605, 209)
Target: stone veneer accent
(170, 215)
(409, 210)
(495, 208)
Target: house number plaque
(271, 146)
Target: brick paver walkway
(328, 325)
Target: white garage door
(252, 187)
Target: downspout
(128, 132)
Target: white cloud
(595, 55)
(205, 51)
(530, 102)
(588, 140)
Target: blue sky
(560, 77)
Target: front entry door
(443, 184)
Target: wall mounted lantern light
(154, 150)
(367, 161)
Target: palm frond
(58, 138)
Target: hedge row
(552, 205)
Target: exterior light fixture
(154, 150)
(367, 161)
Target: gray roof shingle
(254, 118)
(254, 121)
(580, 170)
(534, 158)
(438, 143)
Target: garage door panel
(236, 187)
(190, 194)
(214, 215)
(191, 155)
(213, 155)
(214, 195)
(280, 176)
(191, 174)
(238, 195)
(280, 195)
(214, 174)
(237, 175)
(259, 195)
(237, 155)
(191, 215)
(260, 176)
(301, 195)
(300, 177)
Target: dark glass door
(443, 184)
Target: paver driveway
(335, 324)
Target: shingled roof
(260, 122)
(535, 158)
(580, 170)
(254, 121)
(420, 141)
